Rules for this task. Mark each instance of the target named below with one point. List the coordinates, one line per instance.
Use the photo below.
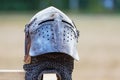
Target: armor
(50, 45)
(61, 64)
(50, 30)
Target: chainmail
(61, 64)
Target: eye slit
(48, 39)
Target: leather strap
(27, 57)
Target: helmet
(50, 30)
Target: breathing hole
(51, 29)
(52, 33)
(52, 37)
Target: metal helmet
(50, 30)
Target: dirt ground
(98, 47)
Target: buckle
(27, 59)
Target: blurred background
(99, 43)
